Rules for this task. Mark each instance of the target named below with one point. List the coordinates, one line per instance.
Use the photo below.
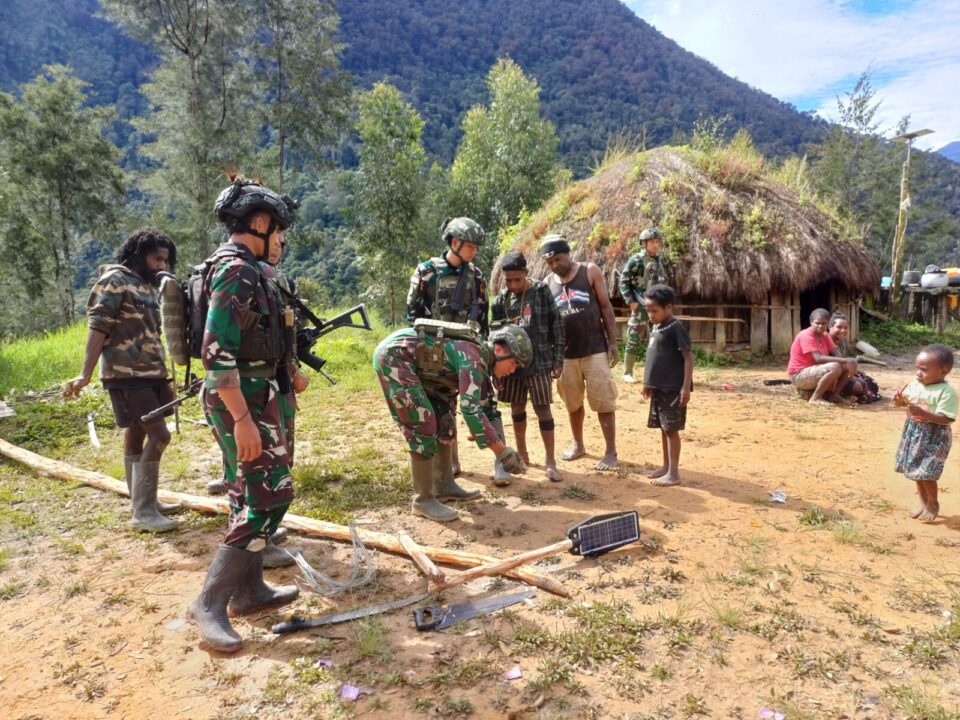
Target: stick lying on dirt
(309, 526)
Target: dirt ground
(831, 605)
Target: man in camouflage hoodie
(243, 349)
(123, 313)
(421, 376)
(643, 270)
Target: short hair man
(590, 347)
(243, 347)
(123, 313)
(643, 270)
(529, 304)
(816, 364)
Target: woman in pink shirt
(815, 363)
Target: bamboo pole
(309, 526)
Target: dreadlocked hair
(143, 241)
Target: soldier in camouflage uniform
(434, 294)
(421, 376)
(243, 347)
(643, 270)
(123, 313)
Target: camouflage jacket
(242, 307)
(126, 309)
(640, 272)
(467, 366)
(432, 287)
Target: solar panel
(602, 533)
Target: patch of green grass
(10, 590)
(846, 533)
(577, 492)
(894, 336)
(926, 651)
(813, 516)
(551, 672)
(454, 707)
(914, 704)
(371, 639)
(40, 361)
(337, 489)
(77, 588)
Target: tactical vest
(263, 340)
(431, 364)
(446, 292)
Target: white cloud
(807, 52)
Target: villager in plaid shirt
(530, 304)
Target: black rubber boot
(209, 611)
(275, 557)
(144, 478)
(444, 486)
(254, 594)
(424, 502)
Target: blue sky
(808, 52)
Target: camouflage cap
(464, 229)
(650, 234)
(517, 340)
(554, 245)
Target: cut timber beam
(309, 526)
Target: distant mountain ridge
(951, 151)
(602, 69)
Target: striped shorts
(514, 389)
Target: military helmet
(243, 197)
(650, 234)
(517, 340)
(464, 229)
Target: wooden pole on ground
(309, 526)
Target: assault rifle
(306, 339)
(308, 336)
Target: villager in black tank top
(582, 324)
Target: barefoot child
(925, 443)
(667, 379)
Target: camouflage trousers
(260, 490)
(421, 414)
(638, 329)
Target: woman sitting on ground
(860, 387)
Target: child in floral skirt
(925, 443)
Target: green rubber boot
(162, 507)
(144, 479)
(444, 486)
(209, 611)
(253, 594)
(425, 502)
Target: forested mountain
(602, 70)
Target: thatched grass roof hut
(751, 251)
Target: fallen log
(308, 526)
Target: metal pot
(934, 280)
(910, 277)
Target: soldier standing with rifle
(643, 270)
(243, 348)
(452, 289)
(123, 312)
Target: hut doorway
(816, 297)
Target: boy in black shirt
(667, 379)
